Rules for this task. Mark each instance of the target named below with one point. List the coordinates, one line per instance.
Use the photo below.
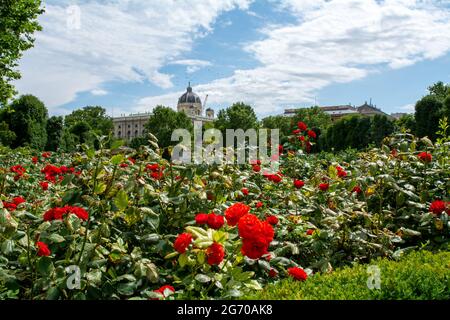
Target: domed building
(133, 125)
(190, 103)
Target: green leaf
(220, 236)
(116, 144)
(100, 188)
(202, 278)
(117, 159)
(182, 260)
(127, 289)
(7, 247)
(121, 200)
(45, 266)
(56, 238)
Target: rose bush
(139, 227)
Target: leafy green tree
(68, 141)
(87, 123)
(428, 112)
(18, 22)
(357, 132)
(238, 116)
(82, 133)
(28, 120)
(55, 126)
(284, 124)
(380, 128)
(7, 136)
(94, 116)
(439, 90)
(407, 122)
(446, 110)
(163, 121)
(314, 117)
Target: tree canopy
(238, 116)
(18, 22)
(163, 121)
(314, 117)
(429, 110)
(28, 119)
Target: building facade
(133, 125)
(337, 112)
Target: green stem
(30, 263)
(84, 243)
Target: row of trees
(25, 123)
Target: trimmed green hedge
(417, 276)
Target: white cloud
(99, 92)
(124, 40)
(409, 108)
(192, 65)
(333, 41)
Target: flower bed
(109, 225)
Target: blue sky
(130, 55)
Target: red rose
(308, 147)
(309, 232)
(256, 168)
(182, 242)
(394, 153)
(157, 175)
(259, 204)
(254, 248)
(215, 221)
(298, 184)
(215, 254)
(342, 174)
(236, 212)
(280, 149)
(438, 207)
(357, 189)
(302, 126)
(18, 200)
(297, 131)
(201, 218)
(275, 178)
(273, 220)
(79, 212)
(35, 160)
(59, 213)
(19, 171)
(46, 155)
(123, 165)
(298, 273)
(43, 250)
(324, 186)
(152, 167)
(245, 191)
(312, 134)
(249, 226)
(273, 273)
(44, 185)
(163, 289)
(425, 156)
(301, 138)
(267, 231)
(133, 161)
(10, 206)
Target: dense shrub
(357, 132)
(419, 275)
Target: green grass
(417, 276)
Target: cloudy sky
(130, 55)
